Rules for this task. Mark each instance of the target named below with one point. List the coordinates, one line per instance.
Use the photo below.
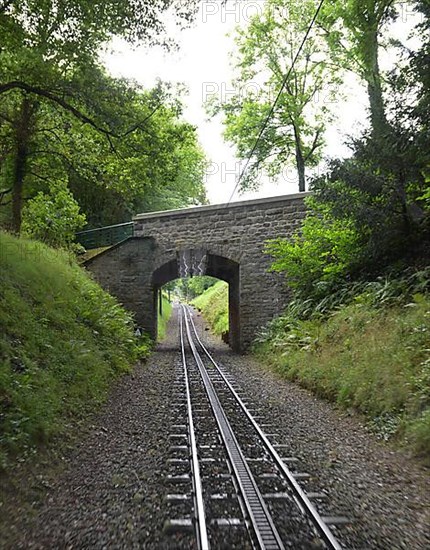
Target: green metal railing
(104, 236)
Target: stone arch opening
(215, 266)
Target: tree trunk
(22, 139)
(300, 161)
(374, 89)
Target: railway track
(232, 487)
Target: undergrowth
(63, 341)
(213, 304)
(366, 347)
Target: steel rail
(265, 531)
(199, 507)
(301, 498)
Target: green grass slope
(62, 342)
(164, 319)
(213, 303)
(373, 359)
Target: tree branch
(54, 154)
(315, 146)
(343, 47)
(50, 131)
(60, 101)
(139, 124)
(383, 10)
(43, 178)
(17, 84)
(260, 160)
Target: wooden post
(160, 306)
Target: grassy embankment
(164, 319)
(370, 354)
(213, 303)
(63, 341)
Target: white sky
(203, 65)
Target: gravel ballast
(111, 492)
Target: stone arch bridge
(224, 241)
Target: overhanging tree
(152, 159)
(46, 45)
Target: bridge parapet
(289, 204)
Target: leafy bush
(63, 341)
(382, 191)
(53, 218)
(366, 213)
(418, 434)
(324, 251)
(393, 289)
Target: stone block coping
(223, 206)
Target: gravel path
(111, 493)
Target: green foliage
(153, 165)
(418, 434)
(295, 132)
(366, 213)
(425, 197)
(191, 287)
(417, 72)
(394, 289)
(371, 355)
(158, 166)
(319, 256)
(213, 304)
(164, 319)
(353, 33)
(65, 30)
(63, 118)
(366, 344)
(410, 107)
(54, 218)
(380, 190)
(198, 285)
(63, 341)
(143, 346)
